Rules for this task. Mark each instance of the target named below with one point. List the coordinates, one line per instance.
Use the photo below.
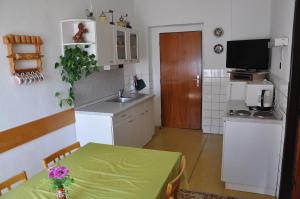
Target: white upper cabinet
(105, 45)
(133, 46)
(111, 45)
(126, 41)
(121, 44)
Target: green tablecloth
(108, 172)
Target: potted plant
(75, 63)
(60, 180)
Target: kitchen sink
(121, 99)
(126, 99)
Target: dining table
(107, 172)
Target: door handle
(197, 79)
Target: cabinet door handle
(130, 121)
(124, 115)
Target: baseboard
(252, 189)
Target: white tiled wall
(214, 100)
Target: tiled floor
(204, 156)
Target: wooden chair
(57, 155)
(173, 186)
(7, 184)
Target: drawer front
(130, 113)
(122, 117)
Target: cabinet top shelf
(73, 44)
(77, 20)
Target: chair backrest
(173, 186)
(59, 154)
(7, 184)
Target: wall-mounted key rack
(13, 57)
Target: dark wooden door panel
(296, 187)
(181, 58)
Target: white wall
(22, 104)
(282, 18)
(282, 26)
(250, 19)
(240, 19)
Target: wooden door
(296, 184)
(181, 83)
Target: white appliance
(259, 93)
(251, 155)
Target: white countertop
(236, 105)
(110, 108)
(241, 105)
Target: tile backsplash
(98, 85)
(214, 99)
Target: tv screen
(248, 54)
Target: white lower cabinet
(251, 156)
(123, 133)
(133, 127)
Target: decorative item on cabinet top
(218, 48)
(24, 75)
(218, 32)
(123, 21)
(78, 37)
(89, 14)
(103, 17)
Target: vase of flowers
(60, 180)
(61, 193)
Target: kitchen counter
(241, 105)
(251, 147)
(124, 124)
(105, 108)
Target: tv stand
(247, 75)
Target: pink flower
(58, 172)
(51, 173)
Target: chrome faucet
(121, 93)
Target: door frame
(154, 49)
(290, 143)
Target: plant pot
(61, 194)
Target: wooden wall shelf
(11, 40)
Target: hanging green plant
(75, 63)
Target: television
(248, 54)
